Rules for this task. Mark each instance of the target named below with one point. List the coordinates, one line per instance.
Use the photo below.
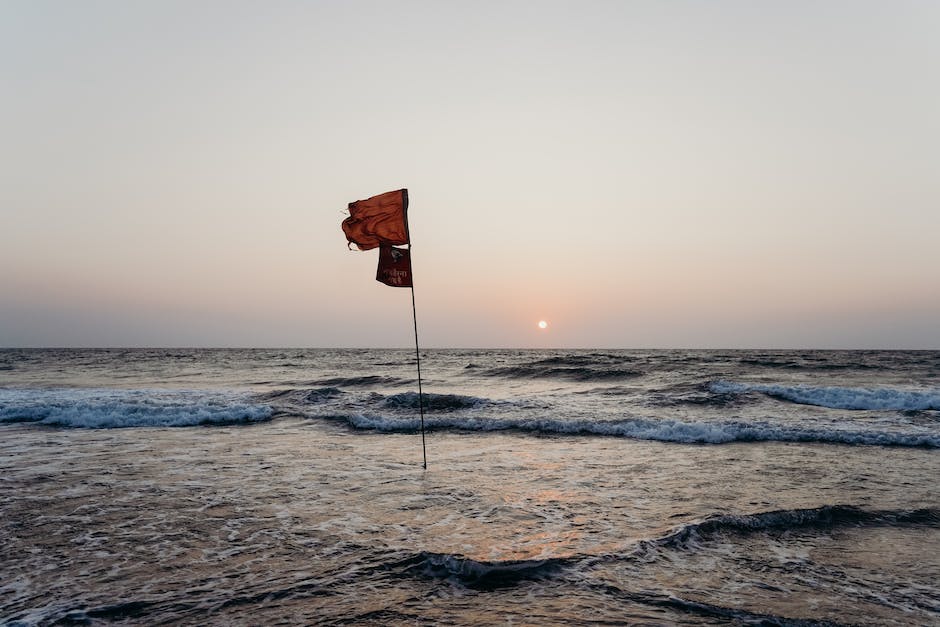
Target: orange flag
(378, 221)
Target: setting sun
(543, 324)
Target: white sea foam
(687, 432)
(104, 409)
(840, 397)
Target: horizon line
(479, 348)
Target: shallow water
(648, 493)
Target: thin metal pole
(414, 312)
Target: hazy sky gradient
(639, 174)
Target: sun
(543, 325)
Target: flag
(378, 221)
(394, 266)
(382, 222)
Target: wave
(571, 367)
(303, 396)
(433, 402)
(585, 359)
(363, 381)
(826, 517)
(582, 570)
(666, 430)
(839, 397)
(613, 390)
(112, 409)
(726, 615)
(569, 373)
(699, 394)
(485, 574)
(806, 363)
(477, 574)
(772, 363)
(298, 399)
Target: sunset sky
(637, 174)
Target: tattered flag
(378, 221)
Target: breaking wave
(839, 397)
(111, 409)
(666, 430)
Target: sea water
(562, 487)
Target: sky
(639, 174)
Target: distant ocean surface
(563, 487)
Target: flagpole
(414, 312)
(382, 222)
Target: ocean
(563, 487)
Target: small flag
(394, 266)
(378, 221)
